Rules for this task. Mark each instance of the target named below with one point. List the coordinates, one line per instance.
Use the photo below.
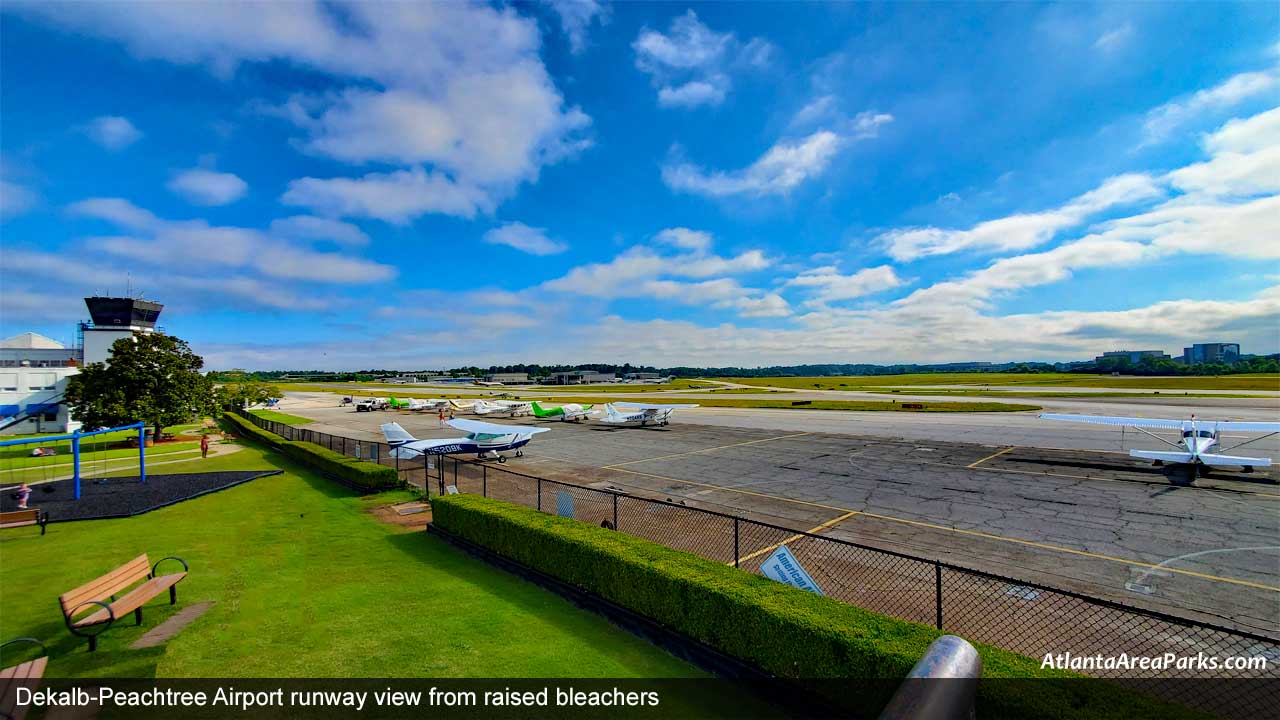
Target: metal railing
(1025, 617)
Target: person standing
(204, 446)
(442, 418)
(24, 492)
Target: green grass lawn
(857, 382)
(280, 417)
(307, 584)
(92, 462)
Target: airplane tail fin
(1235, 460)
(537, 409)
(396, 435)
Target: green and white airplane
(572, 412)
(395, 404)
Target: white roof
(31, 341)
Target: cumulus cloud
(576, 18)
(830, 285)
(682, 237)
(1163, 122)
(525, 239)
(396, 197)
(208, 187)
(780, 169)
(455, 93)
(1023, 230)
(690, 64)
(113, 132)
(308, 227)
(175, 243)
(15, 199)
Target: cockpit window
(1198, 433)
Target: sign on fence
(564, 504)
(783, 566)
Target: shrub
(785, 631)
(360, 474)
(247, 428)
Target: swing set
(46, 446)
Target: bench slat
(135, 599)
(105, 586)
(13, 677)
(25, 671)
(28, 515)
(24, 523)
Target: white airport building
(34, 369)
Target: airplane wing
(1154, 423)
(1233, 425)
(646, 406)
(478, 426)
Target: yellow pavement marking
(974, 533)
(793, 538)
(704, 450)
(992, 456)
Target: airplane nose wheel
(502, 459)
(519, 453)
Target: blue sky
(333, 185)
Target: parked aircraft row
(616, 413)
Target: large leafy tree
(246, 393)
(151, 377)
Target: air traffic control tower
(112, 318)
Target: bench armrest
(70, 617)
(43, 649)
(185, 568)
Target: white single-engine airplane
(482, 439)
(1198, 438)
(431, 405)
(507, 408)
(639, 414)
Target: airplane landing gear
(519, 453)
(1158, 463)
(502, 459)
(1247, 468)
(1202, 470)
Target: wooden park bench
(102, 593)
(22, 518)
(26, 674)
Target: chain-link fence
(1024, 617)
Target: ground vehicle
(371, 404)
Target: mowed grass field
(306, 583)
(860, 382)
(280, 417)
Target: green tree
(240, 395)
(151, 377)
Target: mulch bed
(124, 496)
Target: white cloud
(576, 17)
(457, 86)
(1245, 135)
(694, 93)
(1114, 39)
(690, 63)
(1162, 122)
(113, 132)
(179, 243)
(685, 238)
(525, 239)
(1245, 160)
(308, 227)
(1021, 231)
(782, 167)
(208, 187)
(396, 197)
(15, 199)
(830, 285)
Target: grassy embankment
(307, 584)
(880, 382)
(280, 417)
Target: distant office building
(33, 376)
(1132, 356)
(581, 377)
(508, 378)
(1211, 353)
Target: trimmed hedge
(248, 428)
(782, 630)
(360, 474)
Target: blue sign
(564, 504)
(783, 566)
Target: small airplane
(1198, 438)
(502, 407)
(395, 404)
(646, 415)
(571, 412)
(463, 405)
(482, 438)
(430, 405)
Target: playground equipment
(77, 440)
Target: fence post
(539, 494)
(484, 480)
(455, 472)
(937, 584)
(615, 511)
(396, 455)
(344, 444)
(440, 471)
(736, 554)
